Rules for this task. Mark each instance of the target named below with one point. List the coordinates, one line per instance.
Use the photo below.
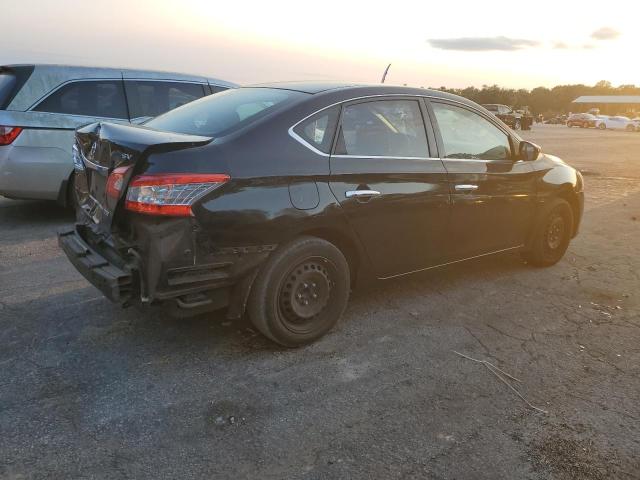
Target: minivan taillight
(8, 134)
(170, 194)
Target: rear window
(221, 114)
(7, 82)
(91, 98)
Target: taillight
(170, 193)
(8, 134)
(116, 181)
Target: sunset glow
(467, 43)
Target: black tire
(551, 235)
(301, 292)
(602, 126)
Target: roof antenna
(384, 75)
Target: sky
(429, 44)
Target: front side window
(91, 98)
(387, 128)
(152, 98)
(217, 88)
(225, 112)
(318, 130)
(467, 135)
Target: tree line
(541, 100)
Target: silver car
(42, 105)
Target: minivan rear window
(221, 114)
(7, 82)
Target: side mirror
(529, 151)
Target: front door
(493, 193)
(395, 195)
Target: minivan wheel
(551, 235)
(301, 292)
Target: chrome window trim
(302, 141)
(397, 157)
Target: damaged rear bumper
(223, 280)
(114, 282)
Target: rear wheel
(630, 128)
(301, 292)
(602, 126)
(552, 234)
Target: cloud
(605, 33)
(560, 46)
(482, 44)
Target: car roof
(47, 77)
(359, 89)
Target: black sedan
(273, 200)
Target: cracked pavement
(88, 390)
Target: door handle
(466, 188)
(361, 193)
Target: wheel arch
(567, 192)
(343, 242)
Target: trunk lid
(103, 149)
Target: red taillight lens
(170, 193)
(116, 181)
(8, 134)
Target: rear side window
(92, 98)
(221, 114)
(318, 130)
(7, 82)
(151, 98)
(387, 128)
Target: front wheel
(301, 292)
(602, 126)
(551, 234)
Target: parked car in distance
(558, 120)
(515, 120)
(42, 105)
(616, 123)
(279, 197)
(582, 120)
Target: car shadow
(18, 213)
(95, 323)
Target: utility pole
(384, 75)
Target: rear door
(493, 193)
(394, 193)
